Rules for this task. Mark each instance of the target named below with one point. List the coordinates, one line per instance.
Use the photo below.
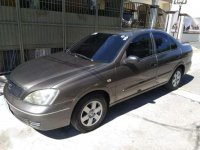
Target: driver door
(140, 76)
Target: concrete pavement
(157, 120)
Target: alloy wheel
(91, 113)
(176, 78)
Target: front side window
(140, 47)
(100, 47)
(162, 42)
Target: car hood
(46, 71)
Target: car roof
(131, 32)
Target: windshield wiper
(79, 55)
(82, 56)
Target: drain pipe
(153, 13)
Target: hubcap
(176, 78)
(91, 113)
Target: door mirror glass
(131, 60)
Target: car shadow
(119, 109)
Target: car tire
(89, 113)
(175, 80)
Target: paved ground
(157, 120)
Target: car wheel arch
(99, 91)
(181, 66)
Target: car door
(168, 55)
(134, 78)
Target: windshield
(99, 47)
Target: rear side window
(140, 46)
(173, 44)
(162, 42)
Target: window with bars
(136, 15)
(161, 19)
(36, 53)
(7, 3)
(81, 6)
(105, 7)
(9, 59)
(110, 8)
(50, 5)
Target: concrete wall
(187, 37)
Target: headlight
(42, 97)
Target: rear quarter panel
(187, 53)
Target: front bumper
(39, 117)
(43, 122)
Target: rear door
(168, 56)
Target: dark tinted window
(162, 42)
(173, 44)
(100, 47)
(140, 47)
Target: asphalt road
(157, 120)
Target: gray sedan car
(79, 85)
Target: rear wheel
(89, 113)
(175, 80)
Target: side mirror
(131, 60)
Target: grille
(14, 89)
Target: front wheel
(89, 113)
(175, 80)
